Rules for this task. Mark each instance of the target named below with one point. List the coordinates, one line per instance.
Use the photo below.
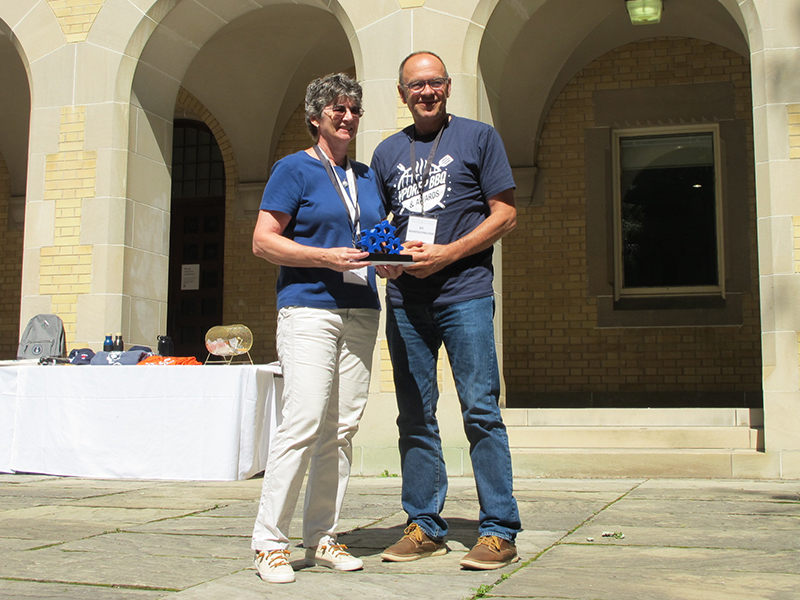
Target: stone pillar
(384, 36)
(79, 227)
(776, 106)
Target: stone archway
(15, 107)
(251, 90)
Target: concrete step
(612, 437)
(665, 463)
(633, 417)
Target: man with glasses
(449, 187)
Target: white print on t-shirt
(408, 189)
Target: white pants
(326, 357)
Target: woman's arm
(270, 244)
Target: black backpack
(43, 338)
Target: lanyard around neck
(349, 200)
(422, 182)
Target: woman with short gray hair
(315, 204)
(323, 92)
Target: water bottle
(108, 345)
(165, 346)
(119, 346)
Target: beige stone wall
(10, 271)
(551, 339)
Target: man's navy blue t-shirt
(299, 186)
(470, 166)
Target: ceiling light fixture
(644, 12)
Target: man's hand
(428, 258)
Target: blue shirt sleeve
(284, 189)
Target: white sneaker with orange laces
(332, 555)
(273, 566)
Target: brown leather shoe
(491, 552)
(414, 545)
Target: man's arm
(430, 258)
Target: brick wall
(65, 268)
(793, 115)
(551, 339)
(76, 17)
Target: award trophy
(382, 245)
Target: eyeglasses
(436, 83)
(340, 110)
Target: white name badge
(357, 276)
(421, 229)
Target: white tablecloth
(138, 422)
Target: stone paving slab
(575, 485)
(722, 523)
(140, 499)
(364, 585)
(710, 560)
(644, 584)
(199, 525)
(8, 545)
(72, 538)
(187, 546)
(691, 537)
(240, 509)
(23, 501)
(45, 490)
(111, 516)
(137, 570)
(707, 508)
(37, 590)
(703, 489)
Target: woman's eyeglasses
(340, 110)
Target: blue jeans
(415, 334)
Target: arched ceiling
(253, 74)
(533, 48)
(15, 109)
(249, 65)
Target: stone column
(776, 106)
(383, 37)
(79, 227)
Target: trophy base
(377, 258)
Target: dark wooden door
(197, 239)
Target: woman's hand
(389, 271)
(343, 259)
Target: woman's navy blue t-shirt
(300, 187)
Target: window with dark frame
(198, 170)
(668, 230)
